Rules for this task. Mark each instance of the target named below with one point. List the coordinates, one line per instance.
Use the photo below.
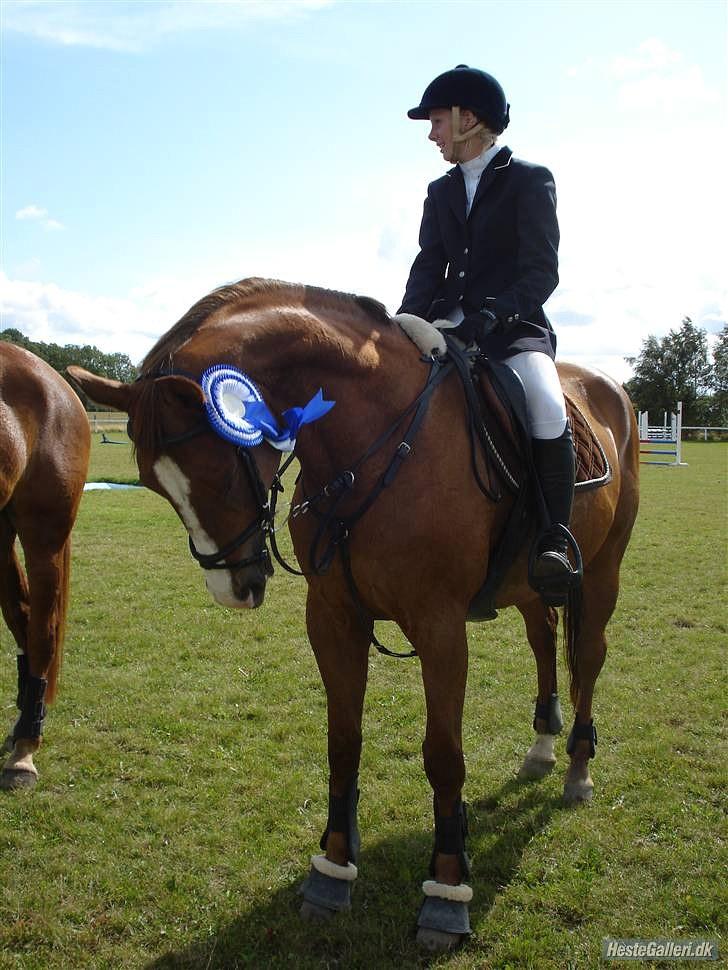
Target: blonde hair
(480, 130)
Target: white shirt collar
(476, 166)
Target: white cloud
(35, 213)
(657, 77)
(651, 55)
(136, 26)
(653, 76)
(49, 313)
(682, 89)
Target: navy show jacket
(506, 248)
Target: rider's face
(441, 131)
(441, 134)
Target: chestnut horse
(44, 449)
(417, 557)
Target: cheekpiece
(237, 412)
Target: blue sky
(154, 150)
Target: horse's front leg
(341, 646)
(443, 920)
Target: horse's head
(218, 491)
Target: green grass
(183, 775)
(112, 462)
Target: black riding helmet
(466, 87)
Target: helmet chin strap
(460, 139)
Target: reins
(345, 481)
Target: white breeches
(544, 397)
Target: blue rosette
(237, 411)
(228, 395)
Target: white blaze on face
(177, 486)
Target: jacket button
(461, 274)
(465, 251)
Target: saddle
(503, 412)
(501, 448)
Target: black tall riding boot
(554, 460)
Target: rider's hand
(478, 326)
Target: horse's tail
(64, 581)
(572, 631)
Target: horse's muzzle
(240, 589)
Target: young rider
(487, 263)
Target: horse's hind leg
(14, 602)
(585, 658)
(14, 595)
(541, 628)
(340, 644)
(47, 600)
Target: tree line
(116, 366)
(680, 367)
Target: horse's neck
(295, 361)
(360, 371)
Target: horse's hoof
(540, 758)
(312, 913)
(324, 896)
(12, 778)
(532, 769)
(578, 792)
(437, 941)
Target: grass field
(183, 775)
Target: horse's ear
(103, 390)
(181, 390)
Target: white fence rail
(704, 429)
(105, 420)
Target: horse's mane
(145, 427)
(160, 358)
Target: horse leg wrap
(582, 732)
(329, 885)
(551, 713)
(450, 834)
(342, 818)
(23, 674)
(32, 709)
(445, 908)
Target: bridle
(263, 522)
